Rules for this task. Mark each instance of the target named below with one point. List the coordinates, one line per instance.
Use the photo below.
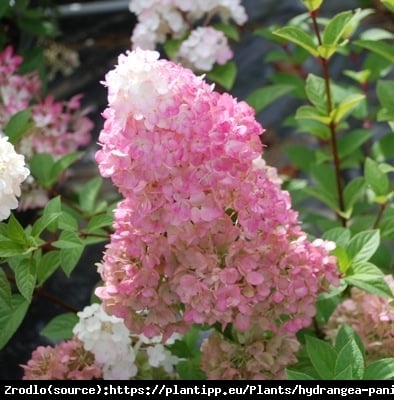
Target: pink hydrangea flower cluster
(159, 21)
(66, 361)
(59, 127)
(16, 91)
(371, 316)
(204, 234)
(252, 358)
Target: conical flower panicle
(204, 234)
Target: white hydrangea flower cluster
(115, 348)
(203, 48)
(109, 340)
(160, 20)
(12, 173)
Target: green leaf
(54, 205)
(385, 115)
(363, 245)
(190, 369)
(292, 375)
(68, 240)
(98, 236)
(61, 327)
(345, 374)
(171, 47)
(289, 79)
(17, 125)
(325, 177)
(350, 362)
(25, 271)
(361, 223)
(376, 178)
(5, 291)
(381, 48)
(352, 192)
(300, 156)
(383, 148)
(346, 334)
(262, 97)
(358, 76)
(298, 36)
(325, 197)
(33, 60)
(9, 248)
(68, 222)
(40, 167)
(378, 65)
(315, 89)
(352, 141)
(15, 231)
(323, 357)
(43, 222)
(385, 90)
(382, 369)
(342, 258)
(312, 5)
(278, 56)
(327, 302)
(346, 106)
(47, 171)
(11, 319)
(69, 258)
(339, 235)
(87, 197)
(326, 51)
(224, 74)
(376, 33)
(383, 258)
(337, 28)
(389, 4)
(310, 112)
(386, 227)
(369, 278)
(188, 345)
(48, 264)
(314, 128)
(99, 221)
(62, 164)
(3, 231)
